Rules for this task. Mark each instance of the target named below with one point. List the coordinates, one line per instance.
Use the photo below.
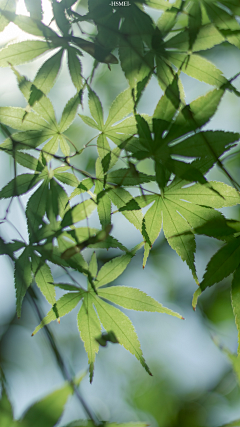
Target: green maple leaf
(111, 318)
(181, 209)
(223, 263)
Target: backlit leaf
(49, 409)
(6, 5)
(120, 198)
(114, 320)
(22, 52)
(112, 269)
(78, 212)
(62, 307)
(17, 118)
(89, 327)
(198, 68)
(120, 108)
(133, 299)
(43, 278)
(95, 108)
(69, 113)
(48, 72)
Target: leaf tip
(91, 372)
(183, 318)
(58, 320)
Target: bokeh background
(193, 383)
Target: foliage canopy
(175, 195)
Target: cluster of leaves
(182, 202)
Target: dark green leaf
(223, 263)
(75, 68)
(128, 177)
(36, 208)
(235, 296)
(106, 337)
(19, 185)
(23, 278)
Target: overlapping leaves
(182, 153)
(95, 311)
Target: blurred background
(193, 383)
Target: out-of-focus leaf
(196, 295)
(235, 294)
(34, 8)
(6, 5)
(23, 278)
(29, 25)
(106, 337)
(48, 410)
